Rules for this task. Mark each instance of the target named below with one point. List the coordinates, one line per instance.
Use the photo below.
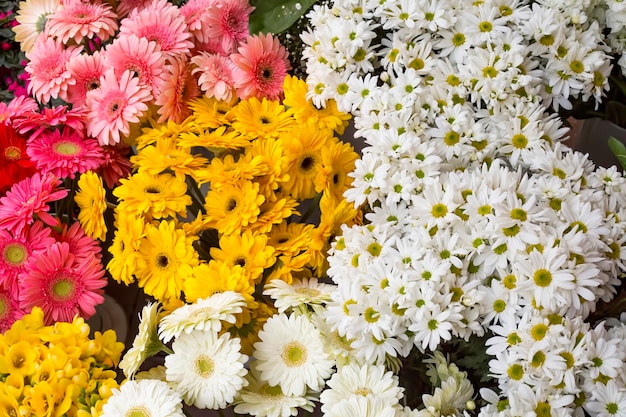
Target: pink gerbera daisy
(124, 7)
(216, 75)
(51, 118)
(16, 108)
(77, 19)
(163, 25)
(114, 105)
(116, 164)
(228, 23)
(28, 198)
(81, 245)
(261, 65)
(16, 250)
(196, 13)
(10, 310)
(179, 88)
(86, 70)
(140, 56)
(65, 153)
(47, 66)
(62, 285)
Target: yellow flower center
(138, 412)
(204, 366)
(12, 153)
(15, 254)
(294, 354)
(66, 148)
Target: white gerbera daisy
(145, 398)
(32, 16)
(290, 353)
(146, 343)
(206, 369)
(260, 399)
(205, 314)
(304, 291)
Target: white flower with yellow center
(145, 398)
(291, 354)
(300, 292)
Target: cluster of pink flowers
(147, 59)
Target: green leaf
(277, 15)
(619, 150)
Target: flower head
(76, 20)
(146, 397)
(216, 75)
(32, 17)
(15, 165)
(178, 89)
(228, 23)
(91, 201)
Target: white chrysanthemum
(304, 291)
(145, 398)
(146, 342)
(206, 369)
(359, 380)
(205, 314)
(290, 353)
(260, 399)
(368, 406)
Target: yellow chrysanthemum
(213, 277)
(210, 113)
(248, 250)
(91, 199)
(234, 206)
(125, 257)
(265, 118)
(270, 153)
(290, 238)
(169, 259)
(216, 139)
(157, 196)
(303, 145)
(338, 160)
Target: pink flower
(196, 13)
(29, 198)
(179, 88)
(126, 6)
(77, 19)
(86, 70)
(10, 310)
(64, 153)
(49, 76)
(116, 164)
(114, 105)
(216, 75)
(228, 24)
(81, 245)
(62, 285)
(140, 56)
(16, 108)
(17, 249)
(162, 23)
(51, 118)
(261, 65)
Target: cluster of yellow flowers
(56, 370)
(234, 196)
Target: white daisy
(146, 343)
(290, 353)
(299, 293)
(206, 369)
(145, 398)
(205, 314)
(609, 400)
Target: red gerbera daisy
(229, 24)
(10, 310)
(77, 19)
(50, 118)
(15, 165)
(116, 164)
(178, 89)
(81, 245)
(29, 198)
(62, 284)
(261, 65)
(47, 66)
(16, 250)
(65, 153)
(86, 71)
(114, 105)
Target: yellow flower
(338, 160)
(265, 118)
(233, 206)
(167, 132)
(157, 196)
(210, 278)
(288, 267)
(169, 259)
(248, 324)
(303, 146)
(274, 211)
(18, 359)
(290, 238)
(209, 113)
(248, 250)
(110, 349)
(216, 139)
(91, 199)
(228, 171)
(9, 405)
(270, 153)
(125, 257)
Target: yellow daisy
(290, 238)
(304, 145)
(214, 139)
(338, 160)
(271, 154)
(169, 259)
(91, 199)
(210, 113)
(248, 250)
(288, 267)
(157, 196)
(213, 277)
(168, 132)
(274, 211)
(256, 118)
(125, 258)
(228, 170)
(232, 207)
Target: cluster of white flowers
(613, 15)
(479, 221)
